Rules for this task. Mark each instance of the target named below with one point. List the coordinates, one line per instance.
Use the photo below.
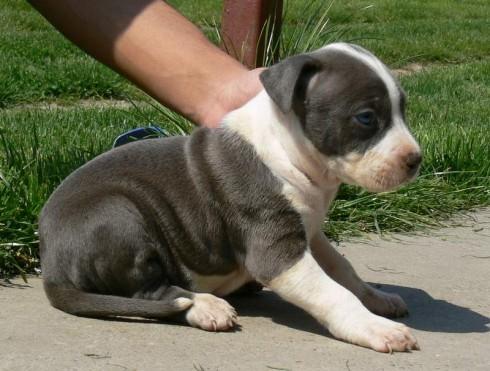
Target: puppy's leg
(337, 267)
(306, 285)
(206, 311)
(211, 313)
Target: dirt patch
(410, 69)
(82, 103)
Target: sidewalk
(444, 278)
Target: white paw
(211, 313)
(384, 304)
(384, 335)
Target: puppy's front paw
(211, 313)
(384, 335)
(384, 304)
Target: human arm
(159, 50)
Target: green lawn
(36, 63)
(448, 110)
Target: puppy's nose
(413, 161)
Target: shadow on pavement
(269, 305)
(426, 313)
(430, 314)
(8, 284)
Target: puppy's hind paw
(211, 313)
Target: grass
(418, 30)
(37, 63)
(38, 149)
(448, 110)
(448, 31)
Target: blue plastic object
(139, 134)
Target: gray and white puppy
(166, 226)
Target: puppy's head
(352, 110)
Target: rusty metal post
(243, 28)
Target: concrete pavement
(444, 278)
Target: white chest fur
(280, 143)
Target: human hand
(231, 96)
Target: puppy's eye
(366, 118)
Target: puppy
(164, 227)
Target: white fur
(382, 167)
(310, 181)
(338, 268)
(211, 313)
(292, 158)
(306, 285)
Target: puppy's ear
(287, 81)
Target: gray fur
(131, 222)
(121, 234)
(286, 82)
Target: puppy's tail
(85, 304)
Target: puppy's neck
(281, 144)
